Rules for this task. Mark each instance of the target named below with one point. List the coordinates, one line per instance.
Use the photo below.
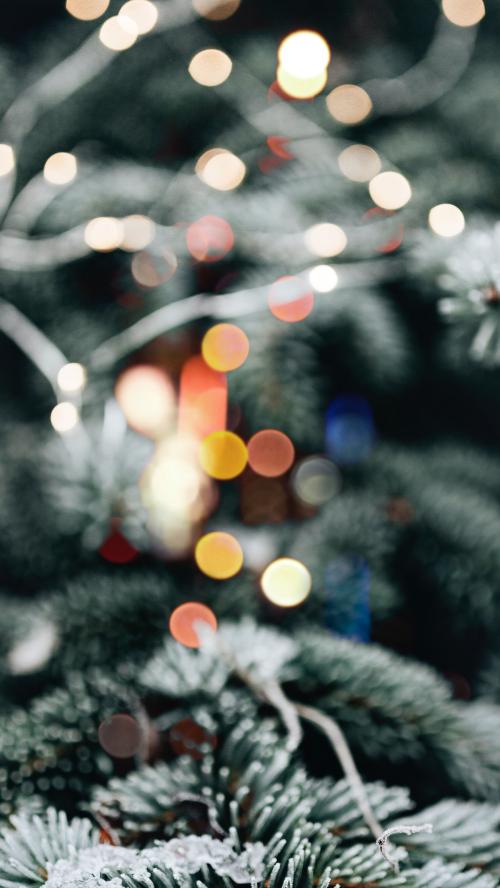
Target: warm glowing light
(104, 233)
(60, 168)
(286, 582)
(325, 239)
(304, 54)
(315, 480)
(216, 10)
(447, 220)
(464, 13)
(301, 87)
(120, 736)
(221, 169)
(152, 269)
(323, 278)
(138, 232)
(64, 417)
(290, 299)
(223, 455)
(71, 378)
(390, 190)
(87, 10)
(202, 399)
(146, 397)
(210, 67)
(209, 238)
(359, 163)
(225, 347)
(7, 159)
(270, 453)
(349, 103)
(118, 33)
(143, 13)
(219, 555)
(187, 619)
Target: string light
(323, 278)
(464, 13)
(87, 10)
(304, 54)
(270, 453)
(209, 238)
(223, 455)
(315, 480)
(60, 168)
(104, 233)
(71, 378)
(64, 417)
(219, 555)
(225, 347)
(118, 33)
(210, 67)
(143, 13)
(146, 398)
(300, 87)
(286, 582)
(447, 220)
(325, 239)
(390, 190)
(221, 169)
(7, 159)
(137, 232)
(216, 10)
(290, 299)
(359, 163)
(186, 620)
(349, 103)
(152, 269)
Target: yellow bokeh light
(64, 417)
(301, 88)
(286, 582)
(216, 10)
(359, 163)
(325, 239)
(138, 232)
(225, 347)
(447, 220)
(323, 278)
(349, 103)
(220, 169)
(146, 397)
(7, 159)
(71, 378)
(143, 13)
(60, 168)
(104, 233)
(304, 54)
(223, 455)
(87, 10)
(464, 13)
(210, 67)
(219, 555)
(118, 33)
(390, 190)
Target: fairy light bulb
(210, 67)
(349, 104)
(219, 555)
(7, 159)
(359, 163)
(216, 10)
(223, 455)
(270, 453)
(86, 10)
(290, 299)
(323, 278)
(304, 54)
(225, 347)
(464, 13)
(104, 233)
(221, 169)
(286, 582)
(143, 13)
(187, 620)
(447, 220)
(301, 87)
(390, 190)
(118, 33)
(137, 232)
(146, 398)
(71, 378)
(325, 239)
(64, 417)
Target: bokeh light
(143, 13)
(71, 378)
(150, 269)
(87, 10)
(202, 399)
(286, 582)
(104, 233)
(225, 347)
(120, 736)
(219, 555)
(7, 159)
(146, 398)
(359, 163)
(216, 10)
(118, 33)
(210, 67)
(223, 455)
(270, 453)
(390, 190)
(209, 239)
(290, 299)
(464, 13)
(349, 104)
(301, 87)
(325, 239)
(350, 430)
(304, 54)
(137, 232)
(220, 169)
(60, 168)
(315, 480)
(447, 220)
(64, 417)
(187, 618)
(323, 278)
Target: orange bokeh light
(290, 299)
(223, 455)
(209, 238)
(202, 399)
(185, 619)
(225, 347)
(219, 555)
(270, 453)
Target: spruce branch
(403, 829)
